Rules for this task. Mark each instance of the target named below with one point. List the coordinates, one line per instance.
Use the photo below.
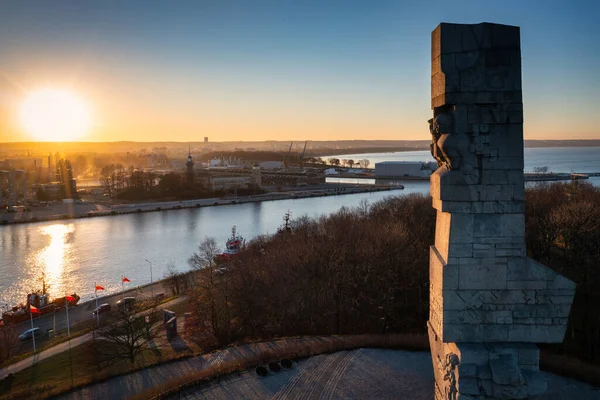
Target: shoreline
(120, 209)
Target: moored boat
(39, 300)
(234, 244)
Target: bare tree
(8, 341)
(131, 334)
(206, 255)
(173, 279)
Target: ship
(233, 245)
(286, 228)
(41, 301)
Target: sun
(55, 115)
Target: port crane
(287, 157)
(302, 156)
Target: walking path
(62, 347)
(344, 373)
(357, 374)
(240, 357)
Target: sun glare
(55, 115)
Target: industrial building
(271, 165)
(404, 169)
(230, 182)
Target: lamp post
(151, 283)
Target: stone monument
(489, 303)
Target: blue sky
(259, 70)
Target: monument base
(485, 371)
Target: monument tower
(489, 303)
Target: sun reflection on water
(54, 259)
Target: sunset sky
(278, 70)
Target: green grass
(65, 371)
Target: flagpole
(32, 331)
(68, 325)
(97, 311)
(122, 286)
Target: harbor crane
(302, 156)
(287, 157)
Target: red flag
(70, 298)
(34, 310)
(124, 279)
(98, 287)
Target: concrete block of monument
(489, 303)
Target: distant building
(271, 165)
(405, 169)
(230, 182)
(64, 175)
(226, 163)
(205, 139)
(216, 163)
(256, 177)
(51, 191)
(22, 163)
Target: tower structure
(190, 168)
(489, 303)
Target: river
(75, 254)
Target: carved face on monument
(443, 123)
(440, 126)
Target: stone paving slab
(360, 374)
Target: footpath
(62, 347)
(238, 358)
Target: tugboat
(234, 244)
(38, 299)
(286, 223)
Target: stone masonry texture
(489, 303)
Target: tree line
(135, 184)
(355, 271)
(365, 270)
(364, 163)
(563, 232)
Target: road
(79, 313)
(64, 346)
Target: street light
(151, 285)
